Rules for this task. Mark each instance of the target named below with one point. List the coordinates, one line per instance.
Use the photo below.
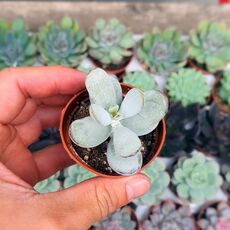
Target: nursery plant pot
(153, 141)
(193, 64)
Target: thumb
(84, 204)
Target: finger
(45, 117)
(17, 84)
(57, 100)
(84, 204)
(50, 160)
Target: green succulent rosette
(224, 90)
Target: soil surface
(96, 157)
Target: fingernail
(137, 187)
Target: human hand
(31, 99)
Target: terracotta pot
(223, 107)
(64, 132)
(196, 67)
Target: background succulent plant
(224, 90)
(168, 216)
(75, 174)
(159, 182)
(196, 178)
(110, 42)
(216, 217)
(51, 184)
(162, 51)
(141, 80)
(123, 121)
(188, 86)
(210, 45)
(17, 45)
(119, 220)
(225, 169)
(62, 44)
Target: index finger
(18, 84)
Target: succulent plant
(110, 42)
(196, 178)
(141, 80)
(75, 174)
(159, 182)
(210, 45)
(51, 184)
(224, 90)
(162, 51)
(17, 45)
(188, 86)
(216, 217)
(123, 121)
(225, 169)
(169, 216)
(119, 220)
(62, 44)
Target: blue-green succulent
(224, 90)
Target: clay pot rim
(177, 203)
(89, 168)
(196, 67)
(221, 105)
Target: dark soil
(96, 157)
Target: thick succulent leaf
(100, 115)
(102, 90)
(132, 103)
(154, 109)
(87, 133)
(123, 165)
(126, 142)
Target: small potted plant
(162, 52)
(169, 215)
(214, 216)
(196, 178)
(75, 174)
(100, 126)
(209, 49)
(122, 219)
(51, 184)
(62, 44)
(159, 183)
(110, 45)
(17, 45)
(139, 79)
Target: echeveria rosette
(216, 217)
(142, 80)
(75, 174)
(224, 90)
(110, 42)
(188, 87)
(122, 120)
(51, 184)
(159, 182)
(62, 44)
(210, 45)
(162, 52)
(197, 179)
(17, 45)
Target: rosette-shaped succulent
(51, 184)
(17, 45)
(224, 90)
(123, 120)
(159, 182)
(75, 174)
(62, 44)
(169, 216)
(188, 86)
(216, 218)
(110, 42)
(196, 178)
(141, 80)
(162, 51)
(119, 220)
(210, 45)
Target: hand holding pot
(31, 99)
